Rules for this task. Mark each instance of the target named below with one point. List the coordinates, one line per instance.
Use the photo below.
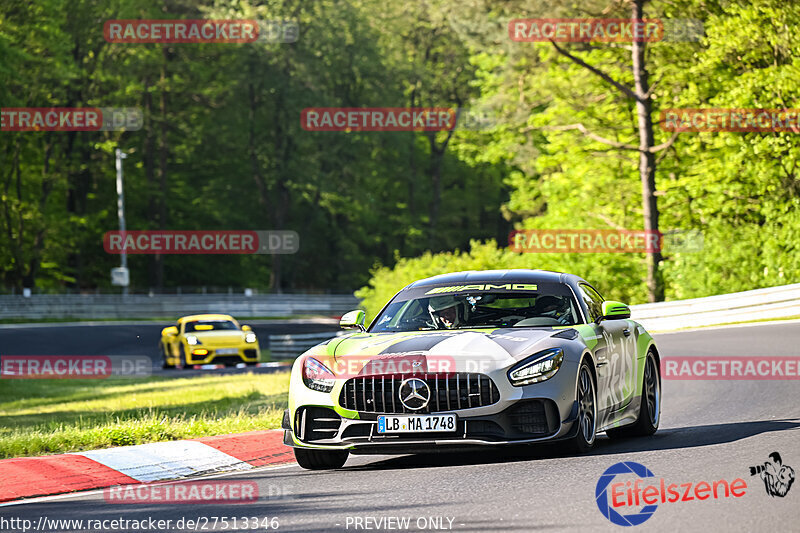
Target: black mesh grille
(226, 360)
(380, 394)
(529, 417)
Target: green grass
(56, 416)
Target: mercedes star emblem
(414, 394)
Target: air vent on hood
(568, 334)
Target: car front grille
(226, 360)
(380, 394)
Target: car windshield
(550, 306)
(210, 325)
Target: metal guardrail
(141, 306)
(758, 304)
(292, 345)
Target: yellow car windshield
(210, 325)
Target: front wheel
(182, 360)
(164, 364)
(320, 459)
(650, 410)
(587, 411)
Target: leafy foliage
(222, 146)
(740, 190)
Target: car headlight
(250, 337)
(317, 376)
(536, 368)
(191, 340)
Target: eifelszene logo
(615, 496)
(777, 477)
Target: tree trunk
(163, 156)
(156, 269)
(647, 159)
(29, 280)
(15, 242)
(435, 173)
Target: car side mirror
(612, 310)
(169, 332)
(246, 328)
(353, 320)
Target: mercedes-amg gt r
(479, 358)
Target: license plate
(417, 423)
(227, 351)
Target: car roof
(494, 276)
(192, 318)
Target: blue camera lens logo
(601, 494)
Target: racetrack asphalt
(710, 430)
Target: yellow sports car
(208, 339)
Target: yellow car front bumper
(207, 356)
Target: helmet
(444, 311)
(550, 304)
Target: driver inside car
(447, 312)
(552, 307)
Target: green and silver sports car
(479, 358)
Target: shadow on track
(694, 436)
(664, 439)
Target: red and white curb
(55, 474)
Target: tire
(650, 409)
(164, 363)
(586, 396)
(320, 459)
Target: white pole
(121, 211)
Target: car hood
(435, 351)
(218, 338)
